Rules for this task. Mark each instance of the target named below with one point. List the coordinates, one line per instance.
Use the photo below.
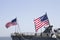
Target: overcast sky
(26, 11)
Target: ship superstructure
(39, 22)
(46, 35)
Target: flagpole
(15, 28)
(18, 24)
(48, 19)
(35, 30)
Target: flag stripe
(12, 23)
(41, 21)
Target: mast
(18, 25)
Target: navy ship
(47, 34)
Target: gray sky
(26, 11)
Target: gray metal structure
(46, 35)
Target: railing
(32, 34)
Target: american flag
(41, 21)
(12, 23)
